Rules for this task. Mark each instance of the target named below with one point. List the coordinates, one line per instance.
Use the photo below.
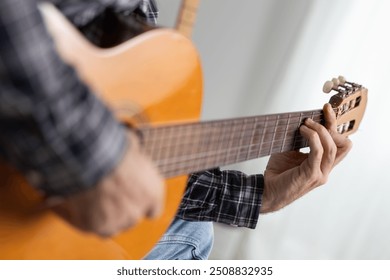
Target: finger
(331, 124)
(316, 149)
(157, 209)
(343, 144)
(328, 145)
(114, 219)
(330, 118)
(155, 212)
(158, 205)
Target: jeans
(184, 240)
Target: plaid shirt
(64, 139)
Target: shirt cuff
(229, 197)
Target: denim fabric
(184, 240)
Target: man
(93, 171)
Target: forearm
(51, 124)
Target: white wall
(269, 56)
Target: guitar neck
(191, 147)
(186, 19)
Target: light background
(272, 56)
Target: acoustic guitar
(156, 75)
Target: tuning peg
(336, 83)
(328, 86)
(342, 80)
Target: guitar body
(156, 75)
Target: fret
(262, 139)
(195, 142)
(291, 137)
(256, 139)
(247, 139)
(230, 148)
(285, 133)
(182, 141)
(214, 137)
(279, 134)
(169, 150)
(198, 143)
(156, 154)
(241, 139)
(253, 132)
(147, 141)
(299, 123)
(229, 143)
(223, 142)
(269, 127)
(273, 135)
(157, 149)
(306, 142)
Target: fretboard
(191, 147)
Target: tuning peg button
(328, 86)
(336, 83)
(342, 80)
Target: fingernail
(303, 127)
(309, 121)
(329, 107)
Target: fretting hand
(290, 175)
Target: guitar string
(172, 170)
(232, 153)
(185, 167)
(254, 151)
(160, 136)
(291, 133)
(263, 119)
(235, 154)
(170, 150)
(257, 147)
(209, 124)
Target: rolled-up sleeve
(228, 197)
(52, 127)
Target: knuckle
(323, 180)
(332, 151)
(120, 224)
(322, 129)
(348, 144)
(106, 232)
(135, 216)
(315, 178)
(312, 134)
(318, 152)
(103, 229)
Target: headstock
(349, 103)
